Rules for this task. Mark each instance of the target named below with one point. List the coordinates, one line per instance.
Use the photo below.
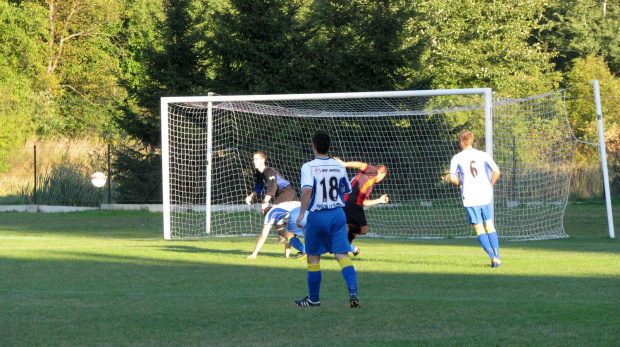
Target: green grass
(107, 278)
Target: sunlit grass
(108, 278)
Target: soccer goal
(208, 143)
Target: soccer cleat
(355, 302)
(301, 255)
(306, 302)
(357, 251)
(495, 262)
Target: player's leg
(356, 225)
(314, 283)
(292, 240)
(350, 278)
(475, 218)
(284, 194)
(281, 229)
(340, 248)
(316, 244)
(494, 242)
(291, 235)
(261, 240)
(287, 249)
(483, 239)
(487, 215)
(352, 231)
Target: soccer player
(277, 186)
(324, 182)
(278, 215)
(355, 202)
(476, 173)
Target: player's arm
(306, 194)
(454, 179)
(261, 241)
(270, 175)
(495, 176)
(383, 199)
(265, 203)
(352, 164)
(248, 199)
(258, 188)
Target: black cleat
(301, 255)
(306, 302)
(355, 302)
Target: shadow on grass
(124, 297)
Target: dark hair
(321, 141)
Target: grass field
(107, 278)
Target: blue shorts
(326, 232)
(292, 227)
(479, 214)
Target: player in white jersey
(324, 182)
(476, 173)
(278, 215)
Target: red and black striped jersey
(362, 185)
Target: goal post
(208, 142)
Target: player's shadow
(194, 249)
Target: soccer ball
(98, 179)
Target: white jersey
(329, 182)
(474, 168)
(278, 213)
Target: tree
(359, 45)
(21, 73)
(580, 28)
(583, 119)
(162, 60)
(473, 44)
(256, 47)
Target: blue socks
(485, 243)
(295, 242)
(349, 275)
(494, 242)
(314, 281)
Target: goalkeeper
(277, 187)
(476, 173)
(355, 202)
(279, 215)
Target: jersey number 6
(472, 168)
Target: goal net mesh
(415, 137)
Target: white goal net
(208, 142)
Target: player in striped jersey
(278, 216)
(355, 202)
(276, 186)
(476, 173)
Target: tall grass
(65, 185)
(63, 166)
(586, 182)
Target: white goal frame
(165, 101)
(209, 100)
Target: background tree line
(98, 68)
